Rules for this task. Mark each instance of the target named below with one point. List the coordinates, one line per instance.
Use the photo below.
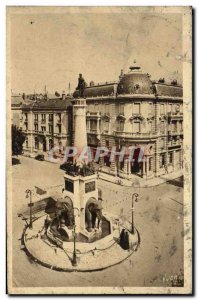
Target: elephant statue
(61, 213)
(65, 213)
(93, 211)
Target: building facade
(133, 112)
(136, 112)
(46, 124)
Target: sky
(53, 48)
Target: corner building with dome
(140, 113)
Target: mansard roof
(135, 82)
(50, 104)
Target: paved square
(158, 217)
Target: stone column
(143, 168)
(98, 127)
(126, 166)
(80, 134)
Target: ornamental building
(136, 112)
(131, 112)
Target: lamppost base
(74, 261)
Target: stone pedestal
(80, 189)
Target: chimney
(63, 95)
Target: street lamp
(134, 197)
(74, 259)
(29, 193)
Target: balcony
(175, 132)
(43, 121)
(175, 115)
(94, 131)
(59, 135)
(134, 135)
(94, 114)
(35, 121)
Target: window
(43, 117)
(150, 108)
(106, 125)
(26, 143)
(93, 125)
(36, 143)
(180, 125)
(170, 107)
(177, 108)
(162, 127)
(36, 127)
(162, 160)
(26, 117)
(59, 117)
(59, 128)
(162, 109)
(150, 126)
(50, 117)
(43, 128)
(136, 127)
(121, 125)
(50, 128)
(170, 157)
(107, 108)
(96, 107)
(150, 163)
(36, 117)
(121, 108)
(174, 126)
(136, 108)
(162, 144)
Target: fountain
(88, 238)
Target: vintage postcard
(99, 150)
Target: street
(158, 216)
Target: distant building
(47, 123)
(16, 113)
(136, 112)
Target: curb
(59, 269)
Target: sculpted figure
(93, 211)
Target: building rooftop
(134, 82)
(55, 103)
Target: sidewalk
(140, 182)
(59, 259)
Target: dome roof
(135, 82)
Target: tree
(18, 138)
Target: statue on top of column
(81, 86)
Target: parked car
(15, 161)
(40, 157)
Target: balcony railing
(134, 134)
(175, 115)
(43, 121)
(175, 132)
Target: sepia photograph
(99, 150)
